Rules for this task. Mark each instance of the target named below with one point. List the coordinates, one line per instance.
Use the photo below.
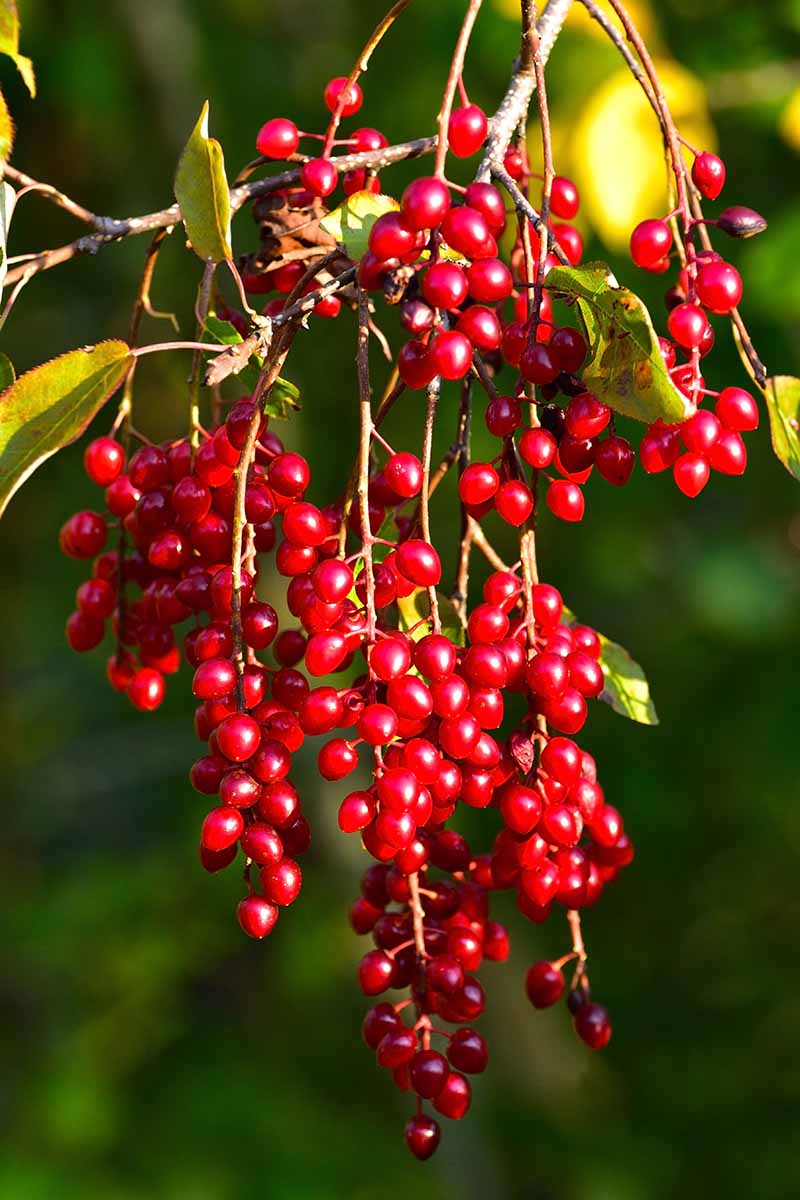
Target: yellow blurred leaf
(614, 151)
(6, 130)
(789, 123)
(641, 12)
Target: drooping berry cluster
(406, 688)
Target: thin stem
(367, 429)
(201, 308)
(361, 65)
(456, 68)
(433, 391)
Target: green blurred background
(148, 1048)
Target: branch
(514, 104)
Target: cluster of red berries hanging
(420, 705)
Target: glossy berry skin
(103, 460)
(422, 1136)
(281, 883)
(238, 737)
(719, 287)
(728, 455)
(688, 325)
(478, 483)
(737, 409)
(538, 447)
(146, 689)
(453, 1100)
(467, 130)
(544, 984)
(586, 416)
(593, 1025)
(419, 562)
(615, 460)
(451, 354)
(467, 1051)
(660, 447)
(353, 96)
(319, 176)
(425, 203)
(691, 473)
(565, 500)
(650, 243)
(564, 198)
(277, 138)
(257, 916)
(444, 285)
(708, 173)
(375, 972)
(428, 1071)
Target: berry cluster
(436, 714)
(174, 506)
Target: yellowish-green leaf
(7, 372)
(8, 198)
(201, 190)
(416, 607)
(613, 151)
(284, 397)
(626, 687)
(351, 222)
(9, 43)
(624, 368)
(50, 406)
(782, 394)
(6, 131)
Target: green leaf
(351, 222)
(7, 372)
(6, 130)
(626, 688)
(782, 394)
(201, 190)
(9, 43)
(416, 606)
(51, 406)
(624, 368)
(8, 198)
(282, 400)
(284, 397)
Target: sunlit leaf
(625, 368)
(626, 688)
(50, 406)
(782, 394)
(351, 222)
(6, 130)
(8, 198)
(7, 372)
(615, 152)
(201, 190)
(284, 397)
(416, 607)
(9, 43)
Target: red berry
(737, 409)
(319, 176)
(719, 287)
(708, 173)
(691, 474)
(650, 243)
(278, 138)
(544, 984)
(353, 96)
(565, 500)
(103, 459)
(256, 916)
(422, 1136)
(425, 203)
(615, 460)
(593, 1025)
(564, 199)
(466, 131)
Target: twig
(361, 65)
(456, 67)
(434, 388)
(365, 411)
